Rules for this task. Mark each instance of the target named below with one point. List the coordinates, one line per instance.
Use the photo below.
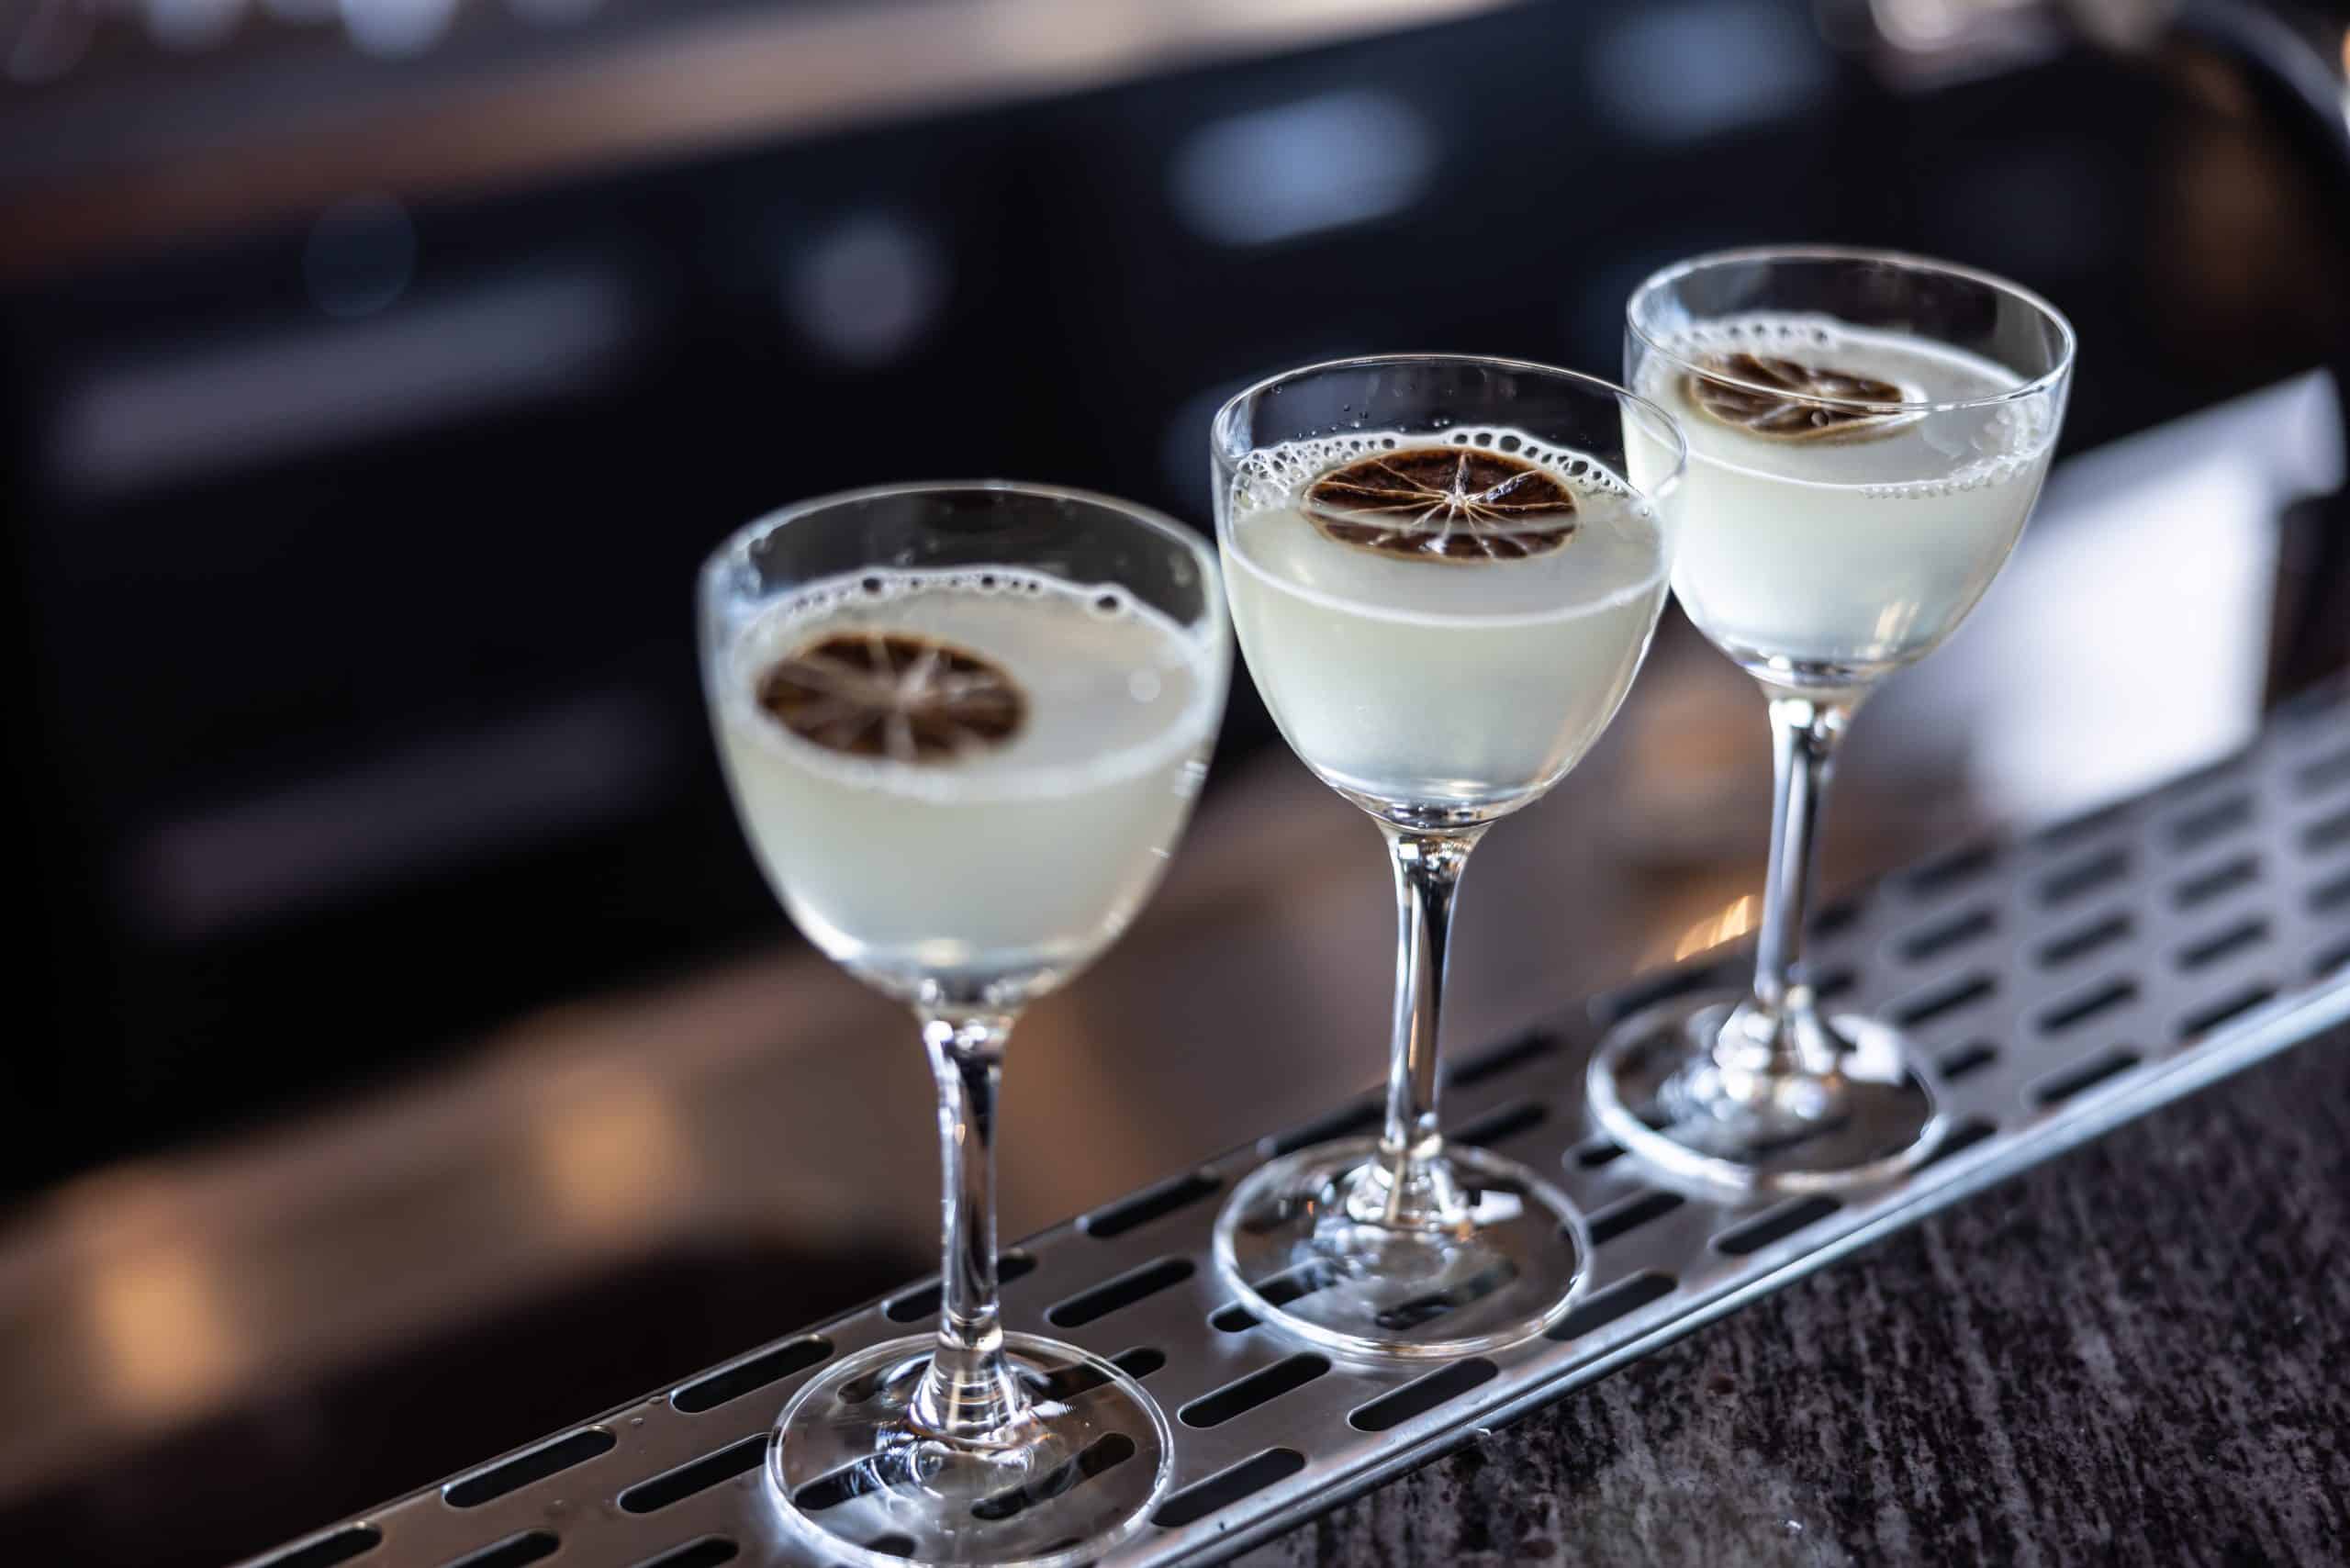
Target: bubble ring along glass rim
(1222, 434)
(2040, 385)
(1210, 633)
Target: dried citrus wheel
(894, 695)
(1446, 503)
(1775, 396)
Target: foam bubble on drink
(1050, 634)
(1419, 682)
(2001, 439)
(1832, 559)
(994, 874)
(1273, 476)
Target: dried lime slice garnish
(1444, 503)
(1772, 395)
(893, 694)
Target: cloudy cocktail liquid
(1823, 543)
(1440, 623)
(962, 784)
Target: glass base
(1654, 1087)
(1498, 1259)
(1079, 1473)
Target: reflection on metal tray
(2064, 983)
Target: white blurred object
(553, 13)
(1317, 164)
(192, 24)
(396, 29)
(866, 289)
(1677, 73)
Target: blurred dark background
(375, 372)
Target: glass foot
(1306, 1243)
(1655, 1088)
(1081, 1471)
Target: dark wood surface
(2137, 1354)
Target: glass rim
(1663, 417)
(2039, 386)
(1209, 625)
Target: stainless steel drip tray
(2062, 984)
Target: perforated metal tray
(2065, 983)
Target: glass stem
(1408, 1187)
(1778, 1030)
(969, 1393)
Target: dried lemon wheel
(1444, 503)
(1769, 394)
(894, 695)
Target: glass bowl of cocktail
(1444, 576)
(963, 726)
(1867, 435)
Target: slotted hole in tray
(1963, 1135)
(535, 1465)
(712, 1468)
(1104, 1454)
(1279, 1290)
(2223, 1009)
(1603, 1308)
(2205, 886)
(1641, 995)
(2088, 825)
(2330, 960)
(1775, 1224)
(2325, 772)
(349, 1541)
(1283, 1289)
(1226, 1487)
(1071, 1380)
(921, 1304)
(1832, 983)
(769, 1366)
(1837, 915)
(1597, 1152)
(2205, 824)
(1346, 1122)
(708, 1553)
(531, 1546)
(2082, 940)
(1435, 1303)
(891, 1545)
(1259, 1387)
(1944, 934)
(831, 1491)
(1499, 1125)
(1938, 1001)
(2249, 932)
(1421, 1396)
(1150, 1204)
(2079, 1010)
(1506, 1058)
(1119, 1291)
(1628, 1214)
(2327, 897)
(2059, 1087)
(2327, 833)
(1972, 1057)
(2086, 875)
(1949, 870)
